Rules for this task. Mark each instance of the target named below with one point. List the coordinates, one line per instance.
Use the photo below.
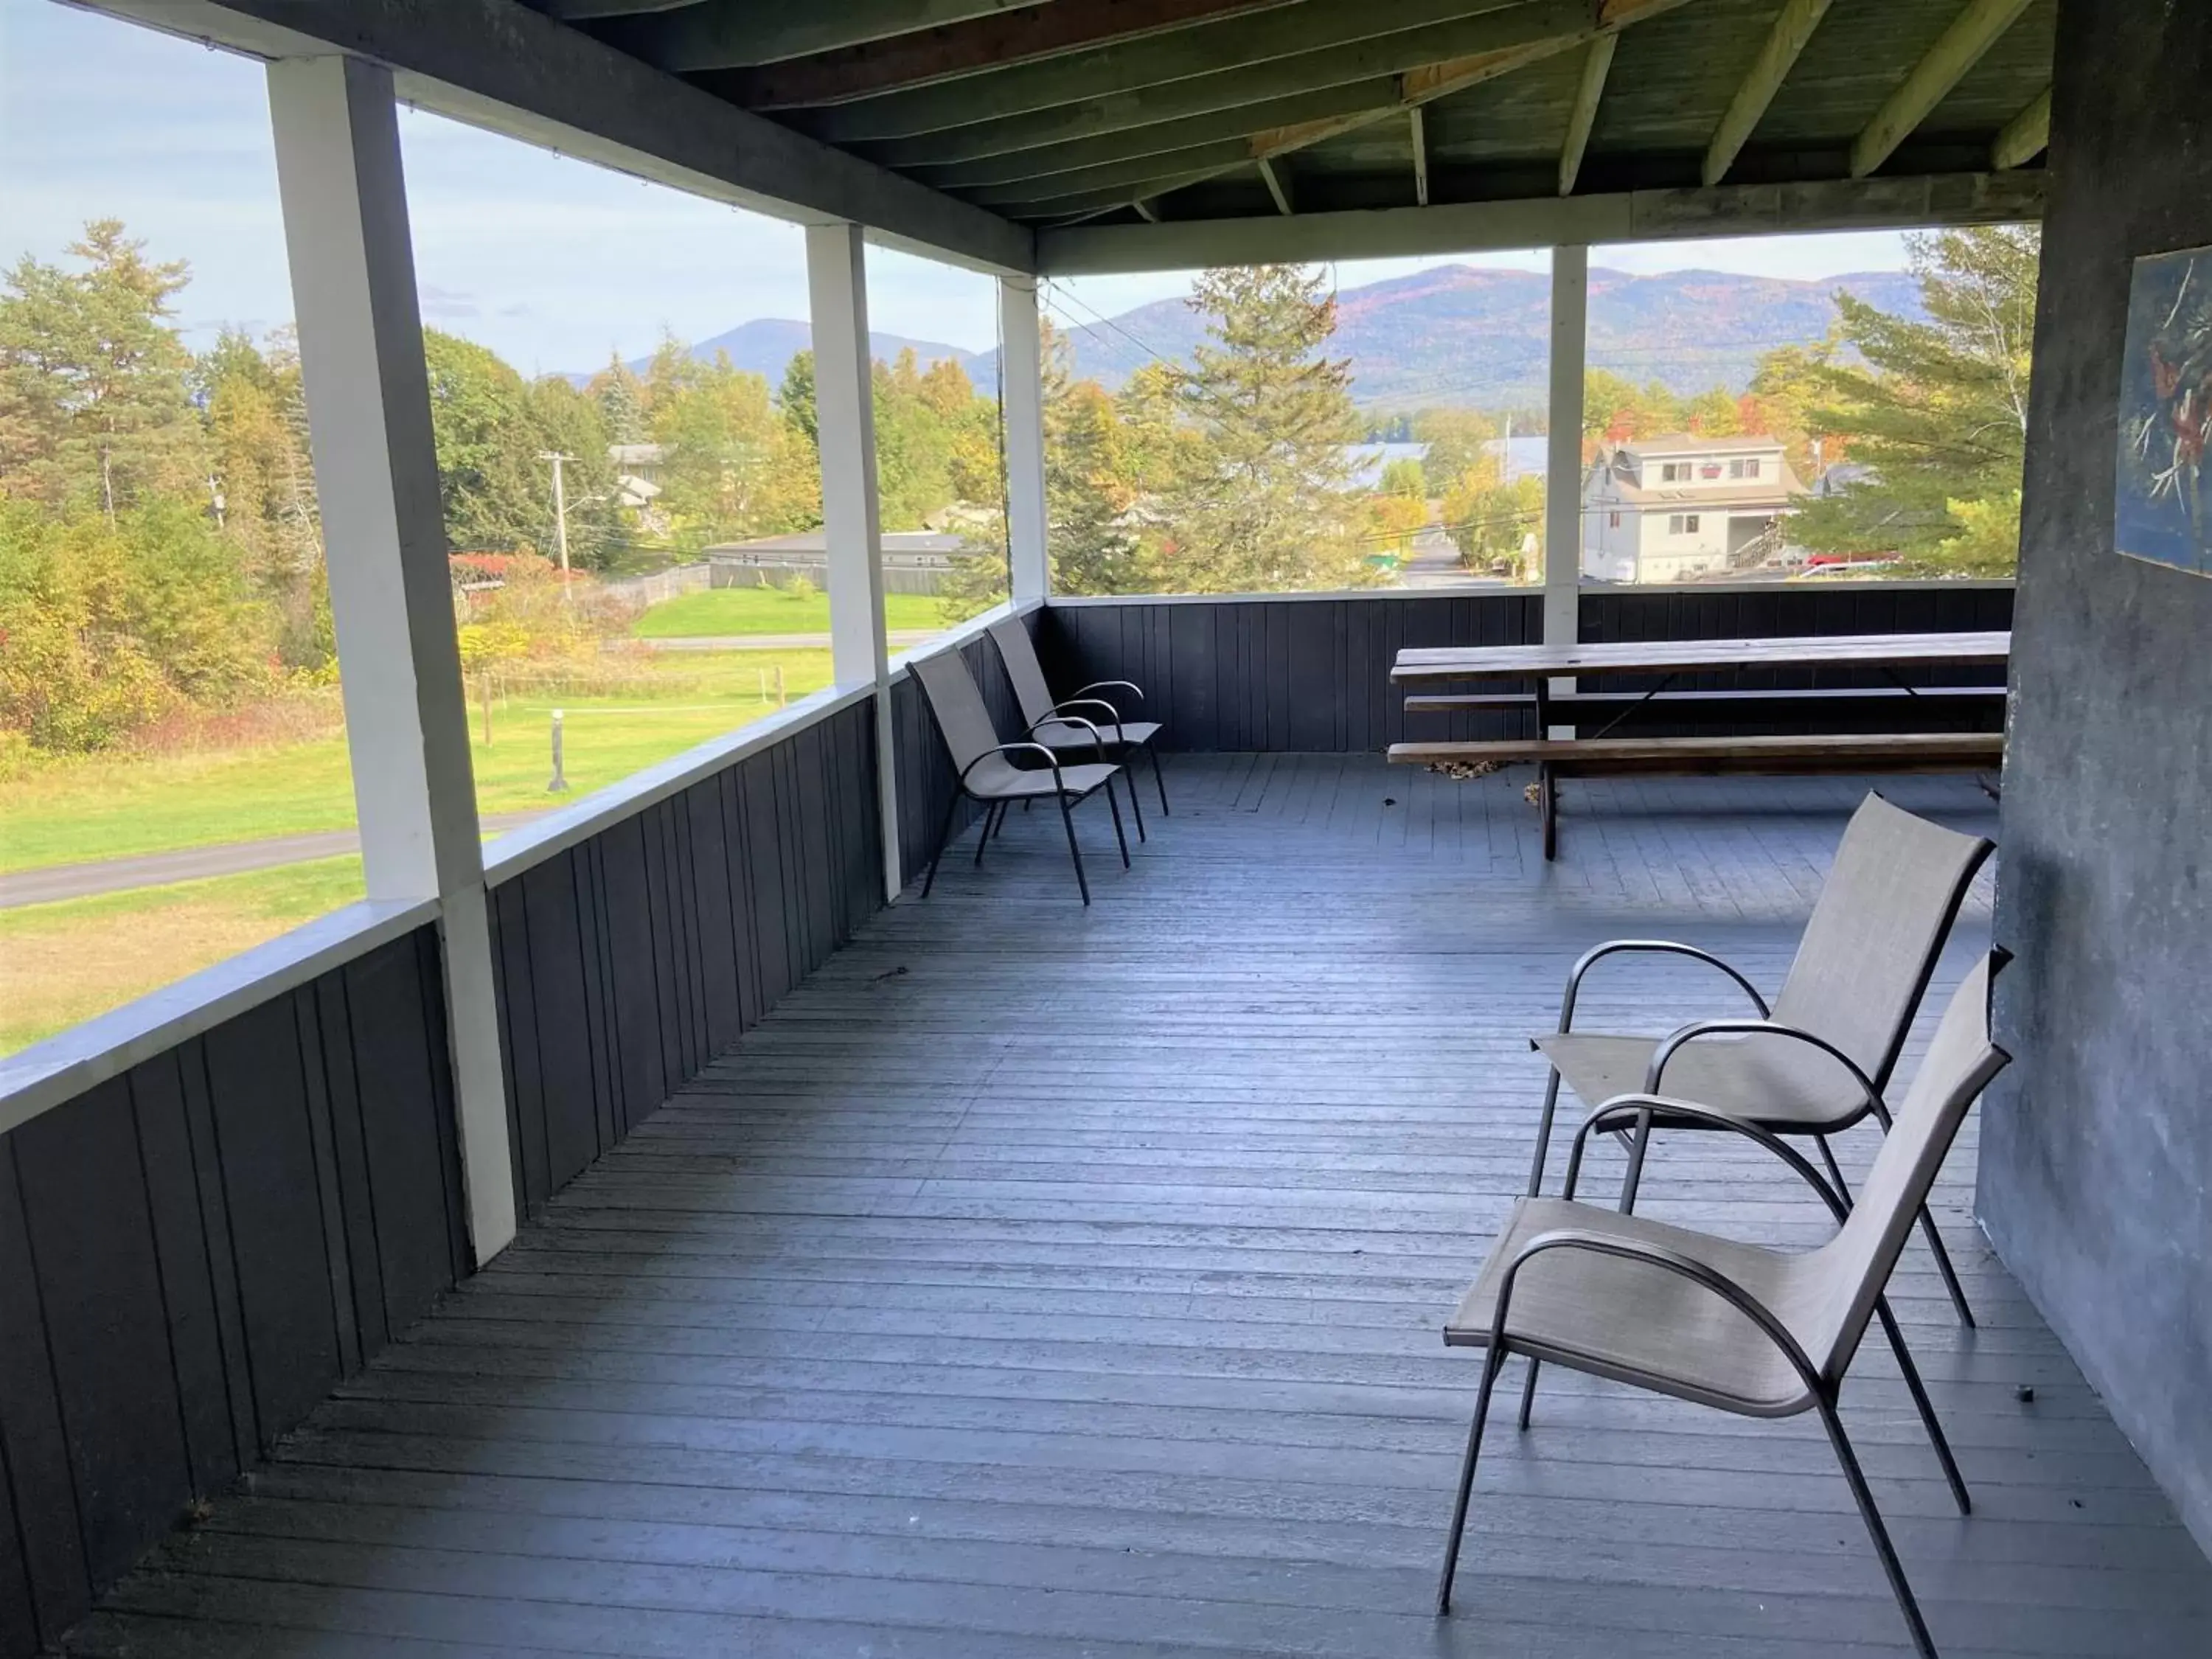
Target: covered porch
(658, 1230)
(1032, 1284)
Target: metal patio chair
(1818, 1061)
(1719, 1323)
(1052, 723)
(989, 777)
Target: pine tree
(621, 397)
(1265, 505)
(1936, 411)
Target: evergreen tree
(1265, 505)
(94, 400)
(621, 397)
(796, 397)
(1936, 411)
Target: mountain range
(1453, 334)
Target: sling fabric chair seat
(1787, 1086)
(1078, 723)
(1748, 1330)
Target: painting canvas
(2164, 511)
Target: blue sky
(551, 262)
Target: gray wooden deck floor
(1037, 1282)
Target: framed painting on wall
(2163, 494)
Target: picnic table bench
(1890, 711)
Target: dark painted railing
(194, 1252)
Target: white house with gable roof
(1672, 508)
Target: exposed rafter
(2025, 137)
(1210, 66)
(981, 46)
(1971, 198)
(1580, 119)
(1785, 42)
(1971, 34)
(741, 32)
(1277, 186)
(1420, 135)
(1408, 90)
(1147, 211)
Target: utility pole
(560, 510)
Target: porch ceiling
(1075, 134)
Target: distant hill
(766, 345)
(1455, 335)
(1478, 338)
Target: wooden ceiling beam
(1188, 71)
(1277, 186)
(1580, 119)
(981, 45)
(2026, 136)
(734, 33)
(1545, 221)
(1419, 125)
(1971, 34)
(581, 11)
(1785, 42)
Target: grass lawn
(114, 806)
(721, 611)
(61, 963)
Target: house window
(1673, 471)
(1615, 525)
(1690, 524)
(1743, 469)
(1682, 524)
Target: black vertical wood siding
(629, 961)
(1313, 675)
(1286, 674)
(193, 1253)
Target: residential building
(1672, 508)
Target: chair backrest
(1875, 934)
(1018, 652)
(957, 703)
(1854, 1265)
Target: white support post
(1021, 403)
(837, 293)
(376, 476)
(1562, 463)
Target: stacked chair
(1730, 1325)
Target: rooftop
(932, 1319)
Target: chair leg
(1926, 1407)
(1114, 807)
(1634, 1178)
(1136, 807)
(992, 812)
(1835, 1170)
(1158, 782)
(1922, 1644)
(1943, 1267)
(1491, 1360)
(943, 835)
(1068, 821)
(1544, 1135)
(1528, 1391)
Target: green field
(722, 613)
(115, 805)
(65, 962)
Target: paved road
(67, 881)
(1434, 562)
(900, 637)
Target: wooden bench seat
(1557, 757)
(1883, 706)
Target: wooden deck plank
(1036, 1281)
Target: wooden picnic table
(1900, 657)
(1425, 665)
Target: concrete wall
(2097, 1146)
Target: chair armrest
(1598, 953)
(1672, 1260)
(1623, 1111)
(1704, 1028)
(1113, 715)
(1111, 685)
(1051, 759)
(1097, 741)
